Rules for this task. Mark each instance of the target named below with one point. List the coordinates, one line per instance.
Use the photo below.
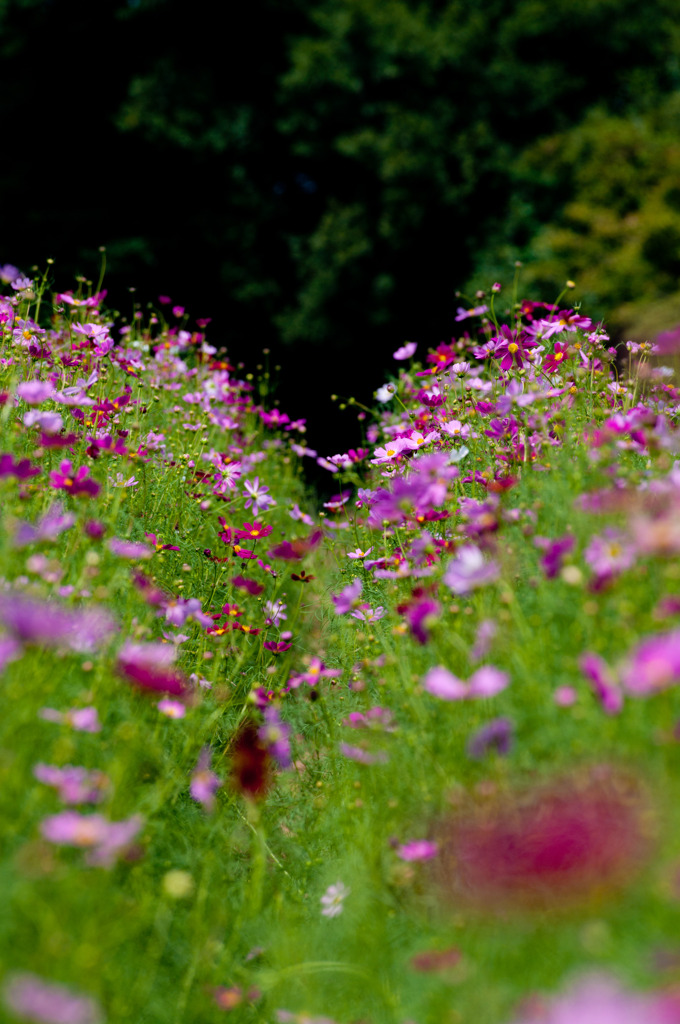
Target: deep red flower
(251, 763)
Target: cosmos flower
(45, 1002)
(564, 842)
(333, 899)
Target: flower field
(406, 755)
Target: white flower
(332, 899)
(385, 393)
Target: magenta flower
(149, 666)
(417, 849)
(204, 782)
(105, 840)
(75, 785)
(467, 570)
(604, 685)
(22, 470)
(44, 1002)
(511, 348)
(248, 585)
(653, 665)
(554, 361)
(562, 842)
(78, 482)
(553, 552)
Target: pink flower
(80, 719)
(599, 999)
(487, 681)
(418, 849)
(204, 782)
(406, 351)
(44, 1002)
(468, 570)
(314, 673)
(75, 785)
(171, 708)
(104, 839)
(128, 548)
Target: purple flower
(180, 609)
(51, 625)
(417, 849)
(49, 422)
(54, 522)
(497, 735)
(361, 755)
(553, 552)
(34, 392)
(75, 785)
(602, 680)
(129, 548)
(204, 782)
(275, 734)
(347, 599)
(44, 1002)
(10, 649)
(258, 496)
(406, 351)
(486, 631)
(468, 570)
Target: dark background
(321, 176)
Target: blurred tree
(328, 172)
(618, 233)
